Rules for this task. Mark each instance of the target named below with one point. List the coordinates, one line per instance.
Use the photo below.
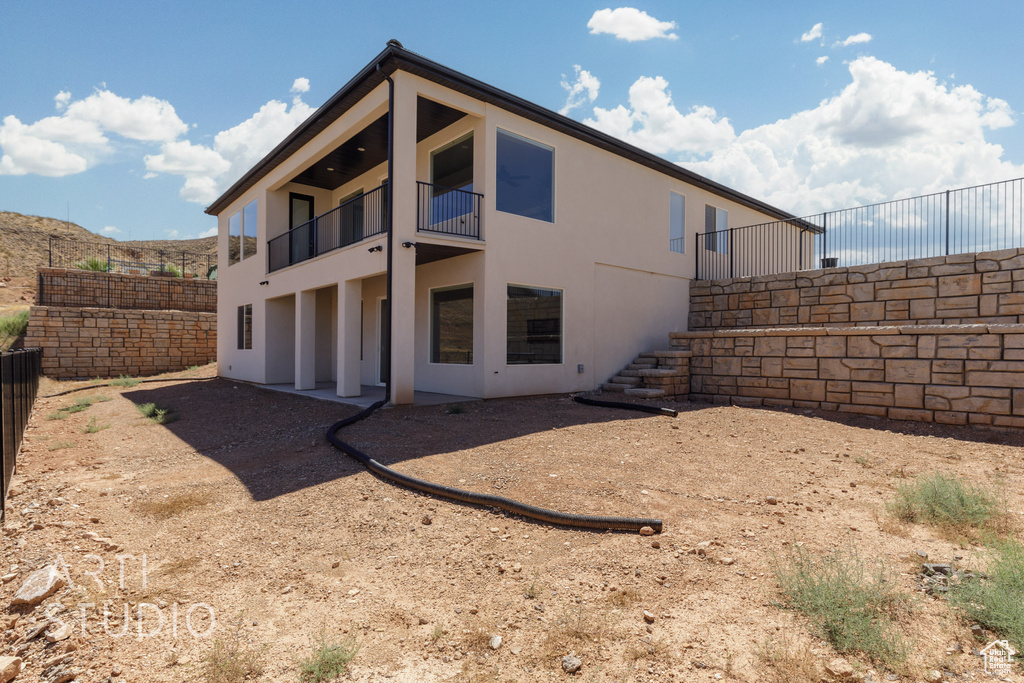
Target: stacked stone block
(983, 288)
(953, 374)
(655, 374)
(81, 343)
(92, 289)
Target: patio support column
(350, 299)
(403, 264)
(305, 340)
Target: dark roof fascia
(331, 110)
(394, 58)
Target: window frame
(243, 231)
(435, 331)
(245, 327)
(498, 185)
(676, 244)
(712, 240)
(561, 323)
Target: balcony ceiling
(348, 162)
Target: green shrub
(155, 413)
(94, 427)
(996, 601)
(328, 661)
(173, 270)
(12, 327)
(124, 381)
(95, 264)
(948, 503)
(847, 603)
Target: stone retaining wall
(81, 343)
(962, 374)
(92, 289)
(983, 288)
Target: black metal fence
(448, 211)
(966, 220)
(355, 220)
(19, 384)
(130, 260)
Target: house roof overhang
(396, 58)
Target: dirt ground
(241, 510)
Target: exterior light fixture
(360, 149)
(265, 282)
(376, 248)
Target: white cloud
(209, 170)
(172, 234)
(89, 130)
(110, 230)
(857, 39)
(212, 232)
(821, 60)
(77, 140)
(888, 133)
(583, 89)
(630, 24)
(813, 34)
(27, 152)
(653, 122)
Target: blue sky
(133, 116)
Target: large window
(716, 226)
(245, 326)
(242, 234)
(677, 222)
(534, 331)
(525, 177)
(451, 325)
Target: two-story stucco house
(530, 254)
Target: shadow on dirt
(274, 443)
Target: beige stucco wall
(607, 249)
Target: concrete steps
(654, 374)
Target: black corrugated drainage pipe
(507, 504)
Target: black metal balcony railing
(966, 220)
(355, 220)
(448, 211)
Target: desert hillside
(24, 242)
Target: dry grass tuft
(173, 505)
(787, 662)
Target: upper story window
(242, 234)
(677, 222)
(525, 177)
(716, 226)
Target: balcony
(440, 210)
(447, 211)
(355, 220)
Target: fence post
(51, 250)
(824, 237)
(108, 258)
(696, 256)
(947, 222)
(730, 248)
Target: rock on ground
(9, 668)
(39, 585)
(571, 664)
